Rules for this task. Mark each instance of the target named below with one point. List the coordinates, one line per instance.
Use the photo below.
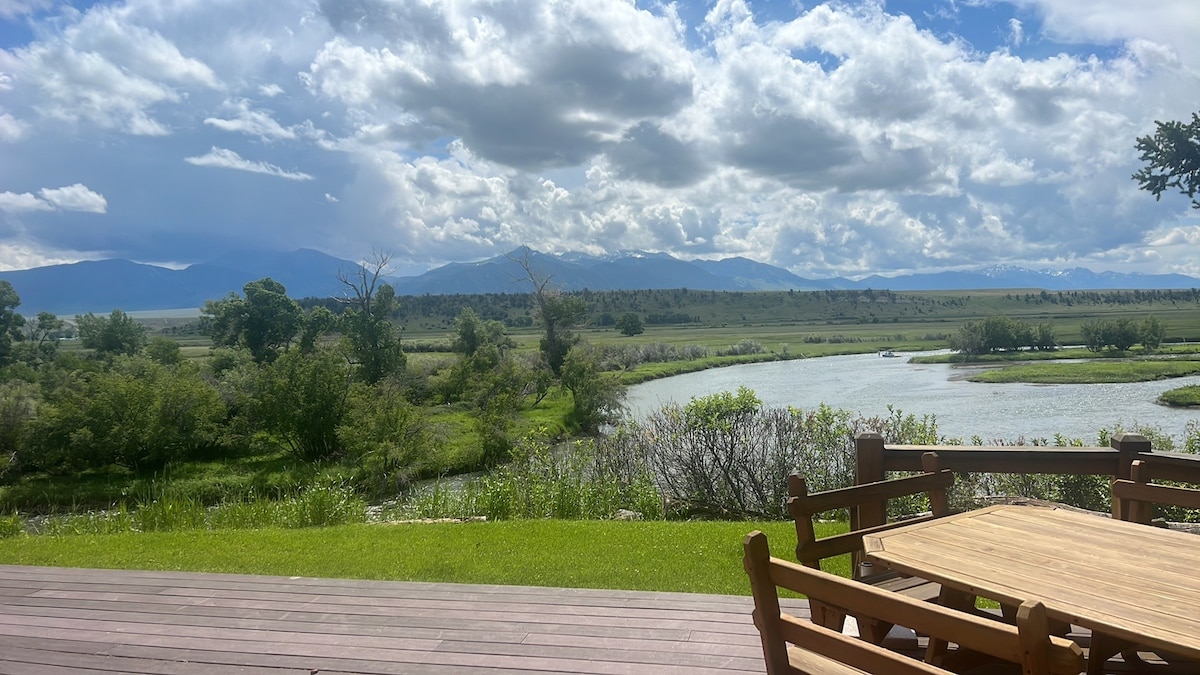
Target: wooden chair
(819, 649)
(867, 506)
(1133, 499)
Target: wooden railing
(875, 459)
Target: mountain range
(101, 285)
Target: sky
(831, 139)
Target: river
(867, 384)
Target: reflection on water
(867, 384)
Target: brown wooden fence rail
(875, 459)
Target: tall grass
(569, 481)
(163, 509)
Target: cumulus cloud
(75, 197)
(105, 71)
(11, 128)
(224, 158)
(842, 138)
(529, 88)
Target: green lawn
(698, 557)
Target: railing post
(868, 446)
(1128, 446)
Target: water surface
(867, 384)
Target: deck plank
(56, 620)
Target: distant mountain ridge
(101, 285)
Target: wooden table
(1124, 581)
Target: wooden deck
(63, 620)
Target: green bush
(387, 439)
(139, 414)
(301, 400)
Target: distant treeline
(682, 306)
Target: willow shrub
(726, 456)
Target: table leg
(953, 599)
(1102, 648)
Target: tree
(10, 321)
(558, 312)
(164, 350)
(265, 321)
(1172, 156)
(301, 399)
(372, 340)
(318, 322)
(1125, 333)
(43, 327)
(597, 397)
(1153, 332)
(969, 341)
(117, 333)
(630, 324)
(1093, 335)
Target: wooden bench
(867, 506)
(820, 649)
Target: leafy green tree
(472, 333)
(1124, 333)
(372, 340)
(1093, 334)
(630, 324)
(164, 350)
(1000, 334)
(1153, 333)
(1172, 157)
(1044, 338)
(117, 333)
(10, 321)
(1120, 334)
(969, 341)
(597, 397)
(265, 321)
(318, 322)
(43, 328)
(301, 400)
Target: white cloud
(11, 9)
(17, 202)
(75, 197)
(838, 140)
(1167, 22)
(224, 158)
(1016, 32)
(11, 128)
(104, 71)
(251, 122)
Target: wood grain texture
(61, 620)
(1124, 579)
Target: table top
(1132, 581)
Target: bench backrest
(1133, 500)
(803, 507)
(1028, 643)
